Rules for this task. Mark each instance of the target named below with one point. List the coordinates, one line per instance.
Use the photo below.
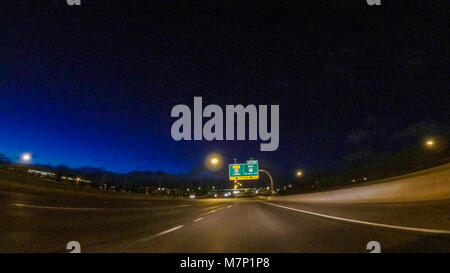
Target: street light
(25, 157)
(213, 162)
(429, 143)
(299, 173)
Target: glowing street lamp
(429, 143)
(299, 173)
(213, 162)
(26, 158)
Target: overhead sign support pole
(270, 178)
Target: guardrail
(424, 185)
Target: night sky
(94, 85)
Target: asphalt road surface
(46, 223)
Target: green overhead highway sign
(244, 171)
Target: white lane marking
(182, 206)
(161, 233)
(56, 208)
(214, 210)
(229, 206)
(198, 220)
(424, 230)
(98, 209)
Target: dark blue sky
(94, 85)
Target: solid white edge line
(229, 206)
(56, 208)
(424, 230)
(198, 220)
(20, 205)
(161, 233)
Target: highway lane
(32, 223)
(253, 226)
(432, 214)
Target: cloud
(370, 129)
(360, 154)
(358, 136)
(420, 129)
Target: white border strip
(161, 233)
(424, 230)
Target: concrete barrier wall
(425, 185)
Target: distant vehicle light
(236, 192)
(215, 195)
(192, 196)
